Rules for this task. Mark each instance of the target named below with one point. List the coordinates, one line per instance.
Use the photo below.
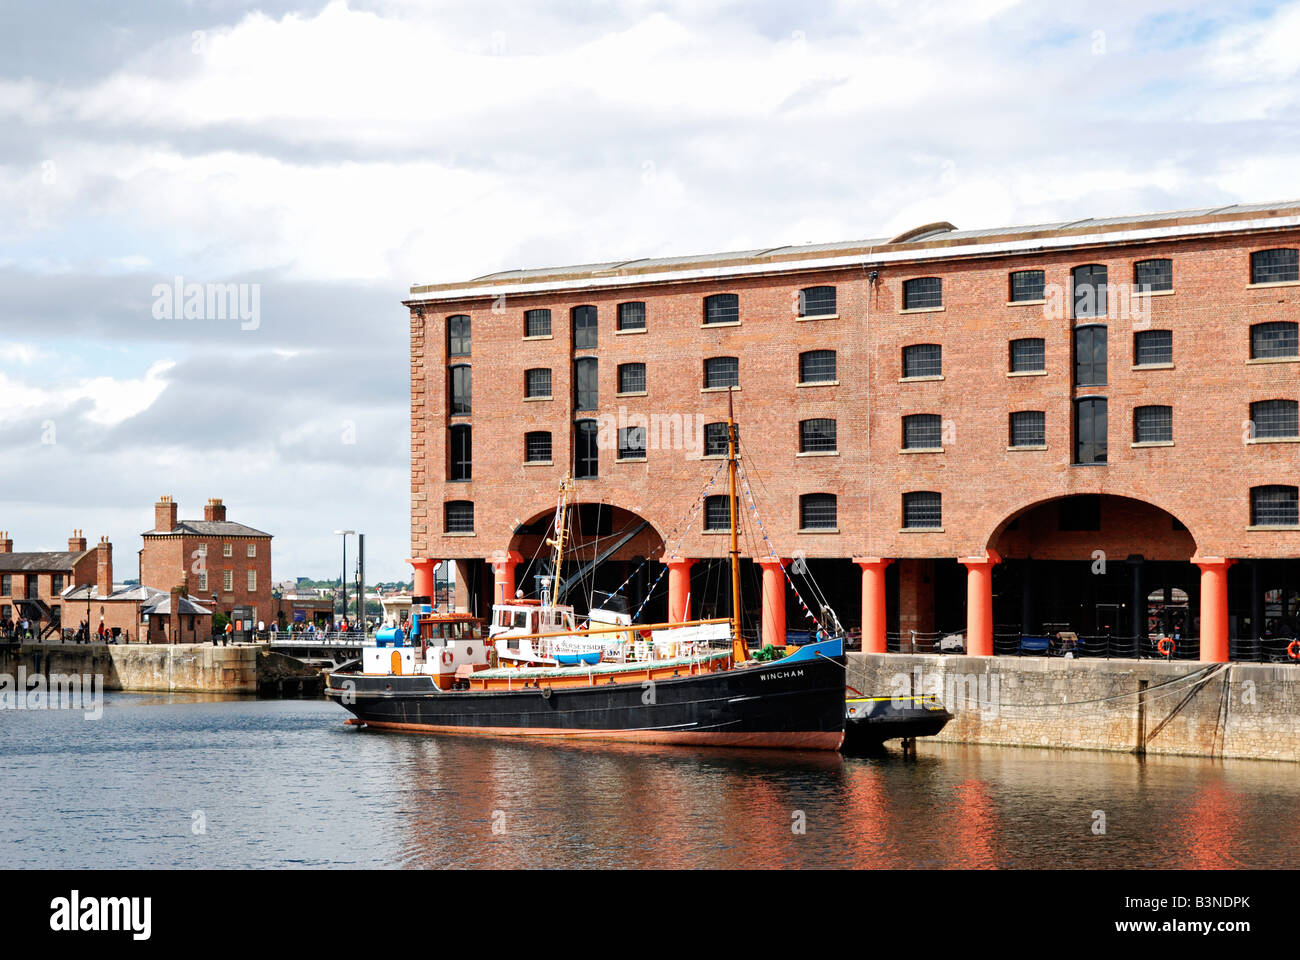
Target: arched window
(817, 511)
(1274, 418)
(922, 360)
(1089, 290)
(923, 431)
(631, 316)
(458, 342)
(1153, 424)
(717, 512)
(922, 509)
(817, 366)
(817, 302)
(722, 308)
(537, 446)
(922, 293)
(1153, 275)
(584, 328)
(461, 390)
(585, 392)
(1274, 506)
(817, 436)
(1275, 266)
(1277, 338)
(721, 372)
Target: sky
(316, 159)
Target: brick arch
(1145, 528)
(528, 538)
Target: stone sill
(1273, 529)
(1254, 440)
(449, 534)
(1279, 283)
(815, 530)
(539, 463)
(820, 316)
(1027, 447)
(1152, 293)
(1026, 373)
(1151, 443)
(920, 530)
(717, 389)
(628, 333)
(637, 393)
(819, 383)
(921, 450)
(922, 310)
(728, 323)
(1274, 360)
(919, 379)
(629, 459)
(1026, 303)
(536, 399)
(1152, 366)
(818, 453)
(542, 336)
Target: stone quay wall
(143, 667)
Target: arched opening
(1094, 574)
(605, 554)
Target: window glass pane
(1090, 369)
(816, 301)
(459, 517)
(584, 384)
(584, 328)
(1026, 285)
(722, 372)
(817, 366)
(462, 449)
(1090, 291)
(1028, 355)
(1275, 418)
(816, 436)
(922, 292)
(537, 382)
(631, 442)
(631, 378)
(717, 512)
(458, 336)
(817, 511)
(1153, 346)
(1274, 266)
(923, 360)
(461, 391)
(586, 454)
(1090, 431)
(921, 509)
(722, 308)
(1153, 424)
(1274, 506)
(537, 323)
(1277, 339)
(1153, 275)
(922, 431)
(715, 439)
(631, 316)
(537, 446)
(1028, 428)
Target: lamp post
(343, 580)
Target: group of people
(21, 629)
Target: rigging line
(1194, 676)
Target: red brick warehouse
(1083, 427)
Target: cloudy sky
(328, 155)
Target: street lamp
(343, 580)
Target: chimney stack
(215, 510)
(6, 545)
(164, 514)
(76, 542)
(104, 567)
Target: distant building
(32, 583)
(221, 561)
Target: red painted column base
(874, 623)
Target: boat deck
(599, 669)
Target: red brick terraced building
(1083, 427)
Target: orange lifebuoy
(446, 658)
(1293, 649)
(1166, 647)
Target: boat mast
(561, 526)
(739, 651)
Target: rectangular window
(631, 378)
(631, 316)
(252, 550)
(817, 436)
(202, 550)
(1274, 418)
(227, 550)
(56, 584)
(7, 585)
(922, 431)
(586, 452)
(584, 328)
(537, 383)
(228, 581)
(722, 308)
(1028, 355)
(715, 439)
(1090, 369)
(461, 391)
(537, 323)
(923, 360)
(1274, 506)
(458, 342)
(721, 372)
(458, 516)
(1090, 430)
(33, 586)
(922, 510)
(585, 393)
(817, 301)
(1082, 512)
(1028, 428)
(817, 511)
(1277, 339)
(631, 443)
(1152, 347)
(462, 454)
(922, 293)
(1153, 275)
(717, 512)
(203, 581)
(817, 366)
(1153, 424)
(252, 581)
(1089, 290)
(537, 447)
(1027, 285)
(1274, 266)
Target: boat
(543, 676)
(870, 721)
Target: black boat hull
(794, 706)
